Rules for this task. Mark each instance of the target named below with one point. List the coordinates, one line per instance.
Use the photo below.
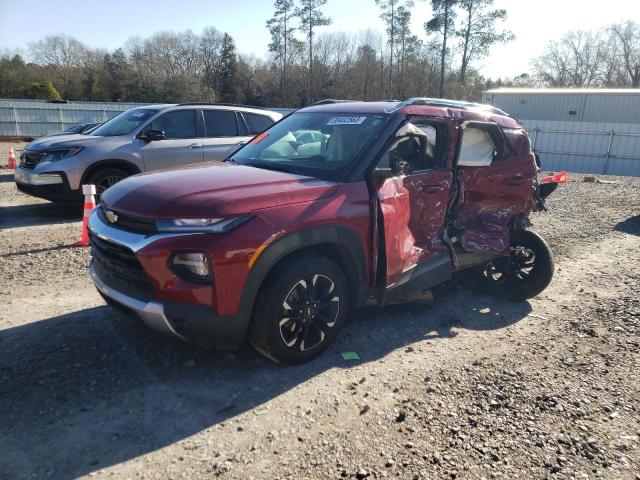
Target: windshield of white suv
(124, 123)
(321, 145)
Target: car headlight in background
(191, 266)
(55, 155)
(208, 225)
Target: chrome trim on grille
(132, 240)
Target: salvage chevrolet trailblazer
(334, 207)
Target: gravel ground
(472, 386)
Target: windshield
(124, 123)
(321, 145)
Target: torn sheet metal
(413, 210)
(489, 198)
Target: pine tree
(227, 86)
(396, 15)
(281, 31)
(311, 17)
(478, 32)
(442, 23)
(407, 43)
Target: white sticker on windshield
(137, 114)
(346, 120)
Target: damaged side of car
(451, 194)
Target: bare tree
(182, 66)
(61, 53)
(628, 34)
(576, 60)
(210, 51)
(478, 31)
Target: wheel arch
(336, 242)
(124, 165)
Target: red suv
(334, 207)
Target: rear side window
(257, 123)
(220, 123)
(477, 148)
(176, 124)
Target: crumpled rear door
(493, 188)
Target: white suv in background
(138, 140)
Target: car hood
(63, 141)
(211, 190)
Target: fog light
(191, 266)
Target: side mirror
(152, 135)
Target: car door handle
(196, 145)
(432, 189)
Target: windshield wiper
(230, 160)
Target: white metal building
(579, 130)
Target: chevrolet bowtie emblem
(112, 217)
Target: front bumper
(50, 186)
(194, 323)
(151, 313)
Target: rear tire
(525, 272)
(300, 309)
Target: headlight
(191, 266)
(210, 225)
(55, 155)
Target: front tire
(106, 178)
(525, 272)
(300, 310)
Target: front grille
(126, 222)
(29, 160)
(119, 268)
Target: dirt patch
(472, 387)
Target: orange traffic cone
(89, 204)
(11, 159)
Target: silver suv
(138, 140)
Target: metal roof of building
(565, 91)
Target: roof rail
(328, 101)
(442, 102)
(214, 104)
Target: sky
(109, 23)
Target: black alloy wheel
(524, 272)
(300, 309)
(309, 312)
